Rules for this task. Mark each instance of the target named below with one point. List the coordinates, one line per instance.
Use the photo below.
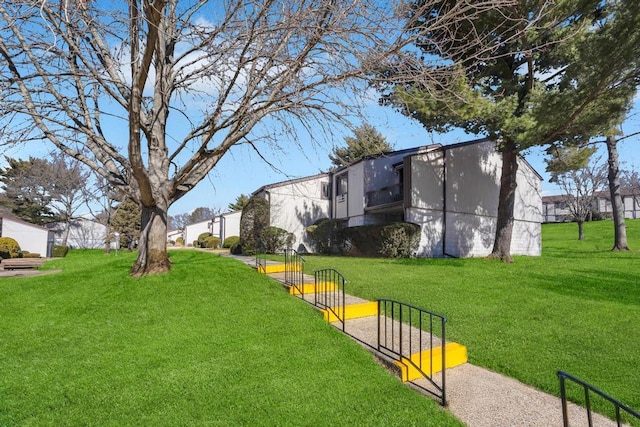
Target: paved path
(477, 396)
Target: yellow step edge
(275, 268)
(456, 355)
(310, 288)
(353, 311)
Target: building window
(325, 190)
(342, 184)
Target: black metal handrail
(329, 292)
(404, 330)
(294, 270)
(563, 376)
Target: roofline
(22, 221)
(290, 181)
(384, 154)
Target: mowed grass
(576, 308)
(210, 343)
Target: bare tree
(188, 80)
(103, 200)
(581, 177)
(68, 179)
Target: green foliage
(9, 248)
(59, 251)
(326, 236)
(211, 242)
(365, 141)
(180, 241)
(202, 240)
(273, 239)
(26, 186)
(254, 219)
(240, 203)
(230, 241)
(127, 221)
(397, 240)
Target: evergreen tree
(239, 204)
(127, 221)
(366, 140)
(26, 186)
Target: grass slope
(576, 308)
(210, 343)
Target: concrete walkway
(476, 396)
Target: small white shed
(29, 236)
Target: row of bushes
(9, 248)
(329, 236)
(396, 240)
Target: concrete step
(429, 362)
(353, 311)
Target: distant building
(556, 208)
(30, 237)
(83, 234)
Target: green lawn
(576, 308)
(210, 343)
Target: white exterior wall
(30, 237)
(192, 231)
(297, 205)
(83, 234)
(454, 197)
(174, 234)
(230, 224)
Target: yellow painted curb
(270, 269)
(310, 288)
(353, 311)
(456, 355)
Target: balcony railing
(386, 195)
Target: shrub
(230, 241)
(273, 239)
(60, 251)
(254, 219)
(397, 240)
(212, 242)
(9, 248)
(326, 236)
(180, 241)
(236, 249)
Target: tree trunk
(152, 247)
(65, 233)
(620, 243)
(506, 203)
(580, 230)
(107, 238)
